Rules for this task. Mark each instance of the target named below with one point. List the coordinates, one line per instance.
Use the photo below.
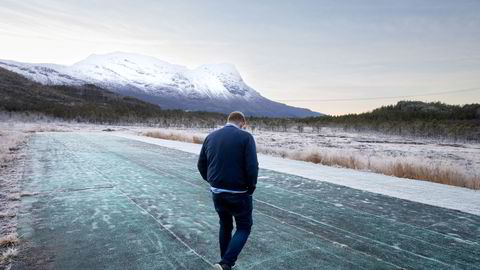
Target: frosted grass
(429, 160)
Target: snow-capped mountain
(218, 87)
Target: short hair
(236, 117)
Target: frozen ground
(451, 197)
(106, 202)
(460, 156)
(379, 149)
(11, 160)
(437, 165)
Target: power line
(375, 98)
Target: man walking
(228, 161)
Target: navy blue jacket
(228, 159)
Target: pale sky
(298, 52)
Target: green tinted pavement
(104, 202)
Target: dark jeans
(229, 206)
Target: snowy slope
(218, 87)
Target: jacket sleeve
(251, 164)
(202, 163)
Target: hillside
(87, 103)
(412, 118)
(212, 87)
(417, 110)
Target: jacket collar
(231, 124)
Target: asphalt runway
(97, 201)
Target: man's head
(237, 118)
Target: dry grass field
(399, 165)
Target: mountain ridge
(209, 87)
(89, 103)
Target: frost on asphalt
(108, 202)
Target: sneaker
(221, 266)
